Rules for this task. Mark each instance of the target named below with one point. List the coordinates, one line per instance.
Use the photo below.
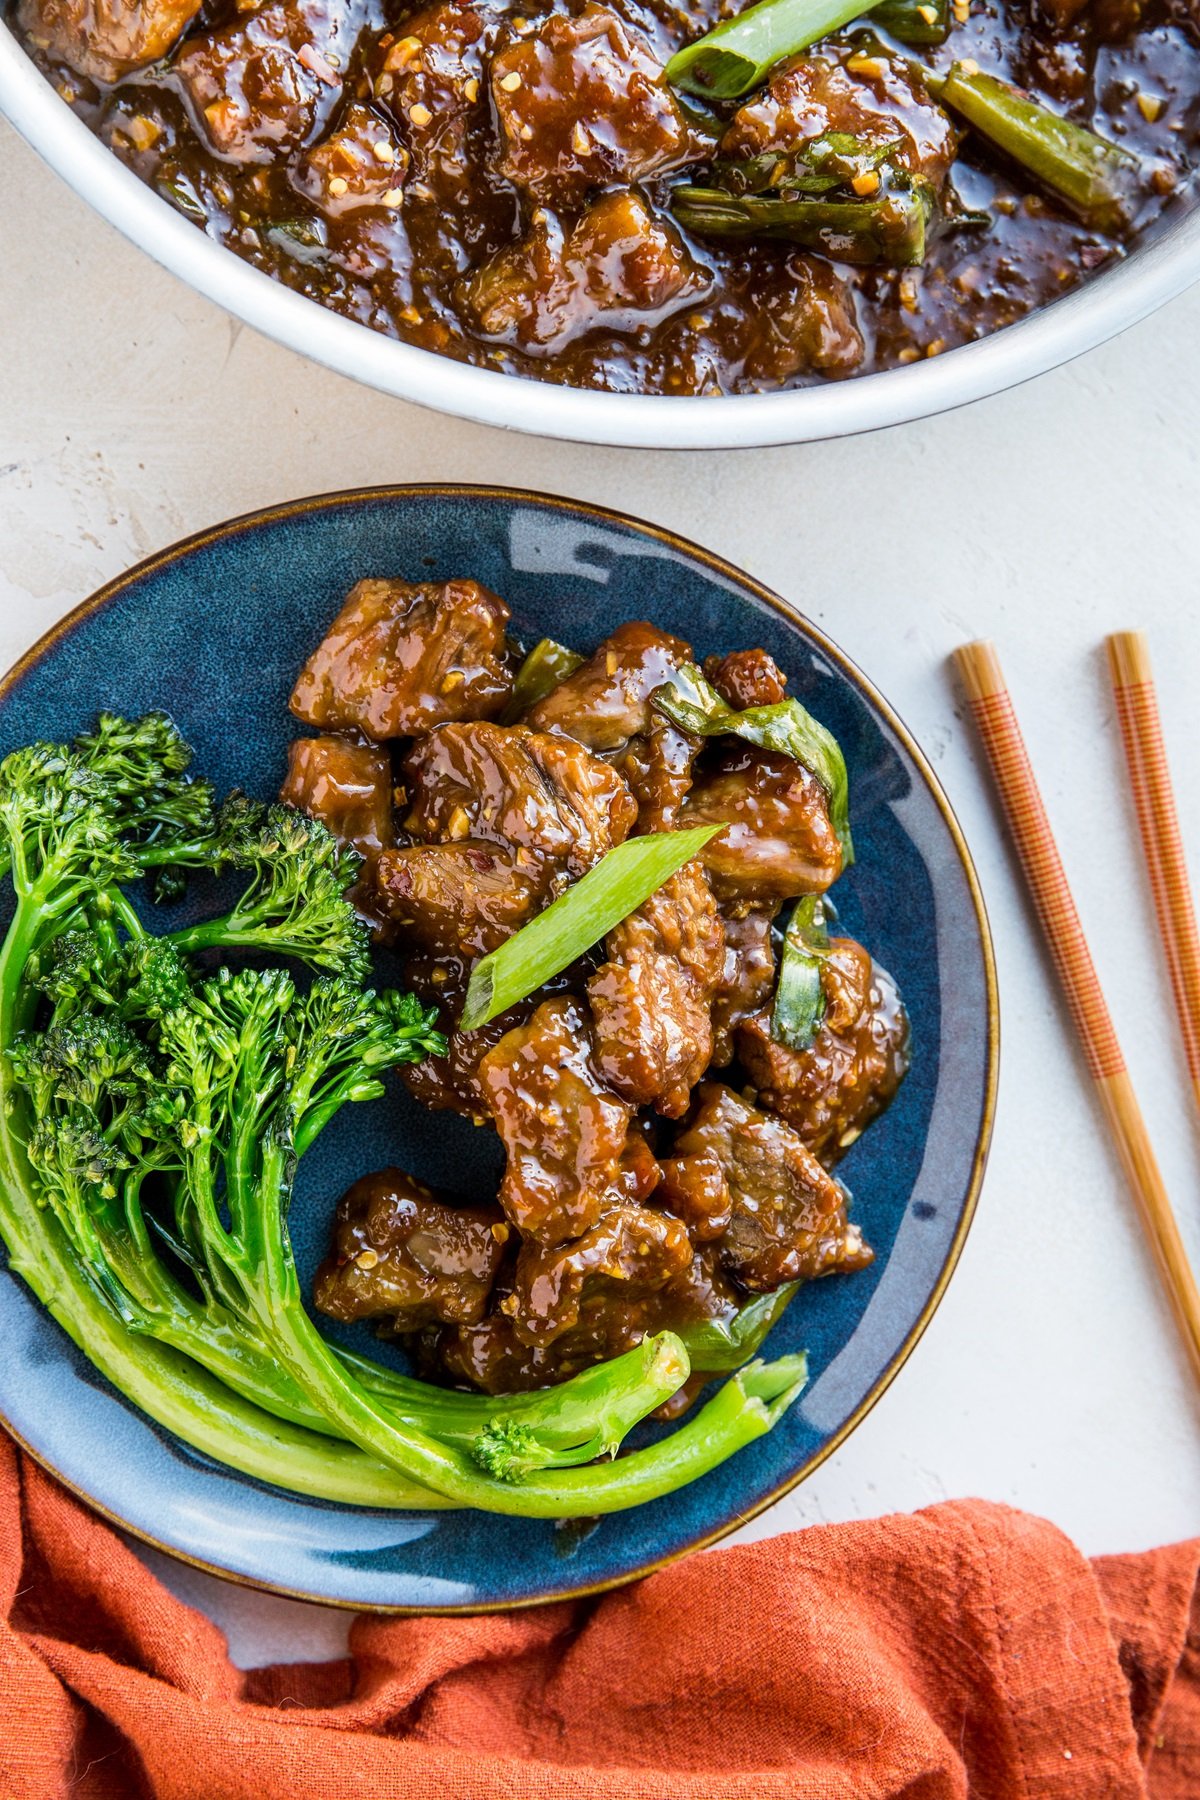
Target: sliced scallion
(608, 893)
(544, 668)
(799, 997)
(691, 702)
(740, 53)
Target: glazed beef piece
(402, 657)
(801, 319)
(747, 678)
(747, 976)
(787, 1214)
(779, 841)
(876, 96)
(361, 164)
(105, 39)
(620, 266)
(629, 1247)
(542, 797)
(398, 1253)
(583, 103)
(605, 704)
(563, 1131)
(347, 786)
(650, 999)
(830, 1092)
(458, 899)
(430, 74)
(265, 84)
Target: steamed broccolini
(131, 1072)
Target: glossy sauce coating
(495, 183)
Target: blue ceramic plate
(215, 630)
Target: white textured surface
(132, 412)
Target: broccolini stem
(889, 233)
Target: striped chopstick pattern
(996, 721)
(1000, 733)
(1158, 824)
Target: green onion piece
(1094, 179)
(608, 893)
(544, 668)
(717, 1345)
(740, 53)
(691, 702)
(914, 21)
(887, 233)
(799, 997)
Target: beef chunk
(747, 972)
(830, 1092)
(362, 163)
(106, 38)
(458, 899)
(347, 786)
(694, 1188)
(620, 266)
(563, 1132)
(541, 797)
(788, 1215)
(266, 83)
(650, 999)
(605, 704)
(401, 657)
(582, 103)
(877, 97)
(746, 678)
(779, 840)
(401, 1254)
(803, 320)
(631, 1246)
(430, 74)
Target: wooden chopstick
(1158, 823)
(992, 708)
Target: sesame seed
(865, 65)
(338, 186)
(471, 89)
(511, 82)
(367, 1259)
(500, 1233)
(968, 66)
(383, 151)
(526, 133)
(909, 354)
(393, 197)
(420, 114)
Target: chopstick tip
(1128, 658)
(979, 666)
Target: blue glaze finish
(215, 631)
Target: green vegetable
(579, 918)
(547, 665)
(816, 168)
(887, 233)
(740, 53)
(1094, 179)
(799, 997)
(691, 702)
(152, 1114)
(914, 21)
(716, 1345)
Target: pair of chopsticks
(1141, 731)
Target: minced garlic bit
(471, 89)
(866, 183)
(316, 65)
(908, 292)
(928, 13)
(500, 1233)
(968, 66)
(458, 824)
(580, 142)
(511, 82)
(526, 133)
(1151, 107)
(401, 54)
(143, 131)
(870, 66)
(935, 347)
(383, 151)
(420, 114)
(338, 186)
(909, 354)
(393, 197)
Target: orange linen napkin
(964, 1651)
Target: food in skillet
(583, 869)
(604, 878)
(644, 197)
